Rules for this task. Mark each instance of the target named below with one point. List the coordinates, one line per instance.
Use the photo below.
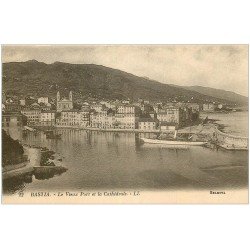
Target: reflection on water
(99, 160)
(14, 184)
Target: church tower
(58, 96)
(70, 96)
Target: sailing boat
(175, 141)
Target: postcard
(125, 124)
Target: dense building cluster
(61, 112)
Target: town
(62, 111)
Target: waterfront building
(147, 124)
(94, 119)
(127, 116)
(84, 118)
(110, 120)
(172, 115)
(68, 118)
(168, 126)
(33, 115)
(103, 119)
(48, 118)
(64, 103)
(126, 121)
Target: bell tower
(70, 96)
(58, 96)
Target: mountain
(219, 93)
(90, 81)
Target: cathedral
(64, 103)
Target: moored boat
(173, 142)
(52, 135)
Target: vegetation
(12, 150)
(91, 81)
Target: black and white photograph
(125, 123)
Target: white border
(124, 227)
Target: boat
(29, 128)
(173, 142)
(52, 135)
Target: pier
(230, 142)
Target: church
(64, 103)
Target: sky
(217, 66)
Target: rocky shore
(48, 167)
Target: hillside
(219, 93)
(89, 80)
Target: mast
(175, 134)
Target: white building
(22, 102)
(147, 124)
(127, 116)
(128, 109)
(126, 121)
(174, 115)
(43, 99)
(84, 118)
(68, 118)
(48, 117)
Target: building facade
(68, 118)
(147, 124)
(43, 99)
(33, 115)
(47, 118)
(172, 115)
(63, 104)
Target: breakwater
(231, 142)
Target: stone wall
(231, 141)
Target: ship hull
(166, 142)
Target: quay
(230, 142)
(221, 139)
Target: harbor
(124, 162)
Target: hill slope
(89, 80)
(219, 93)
